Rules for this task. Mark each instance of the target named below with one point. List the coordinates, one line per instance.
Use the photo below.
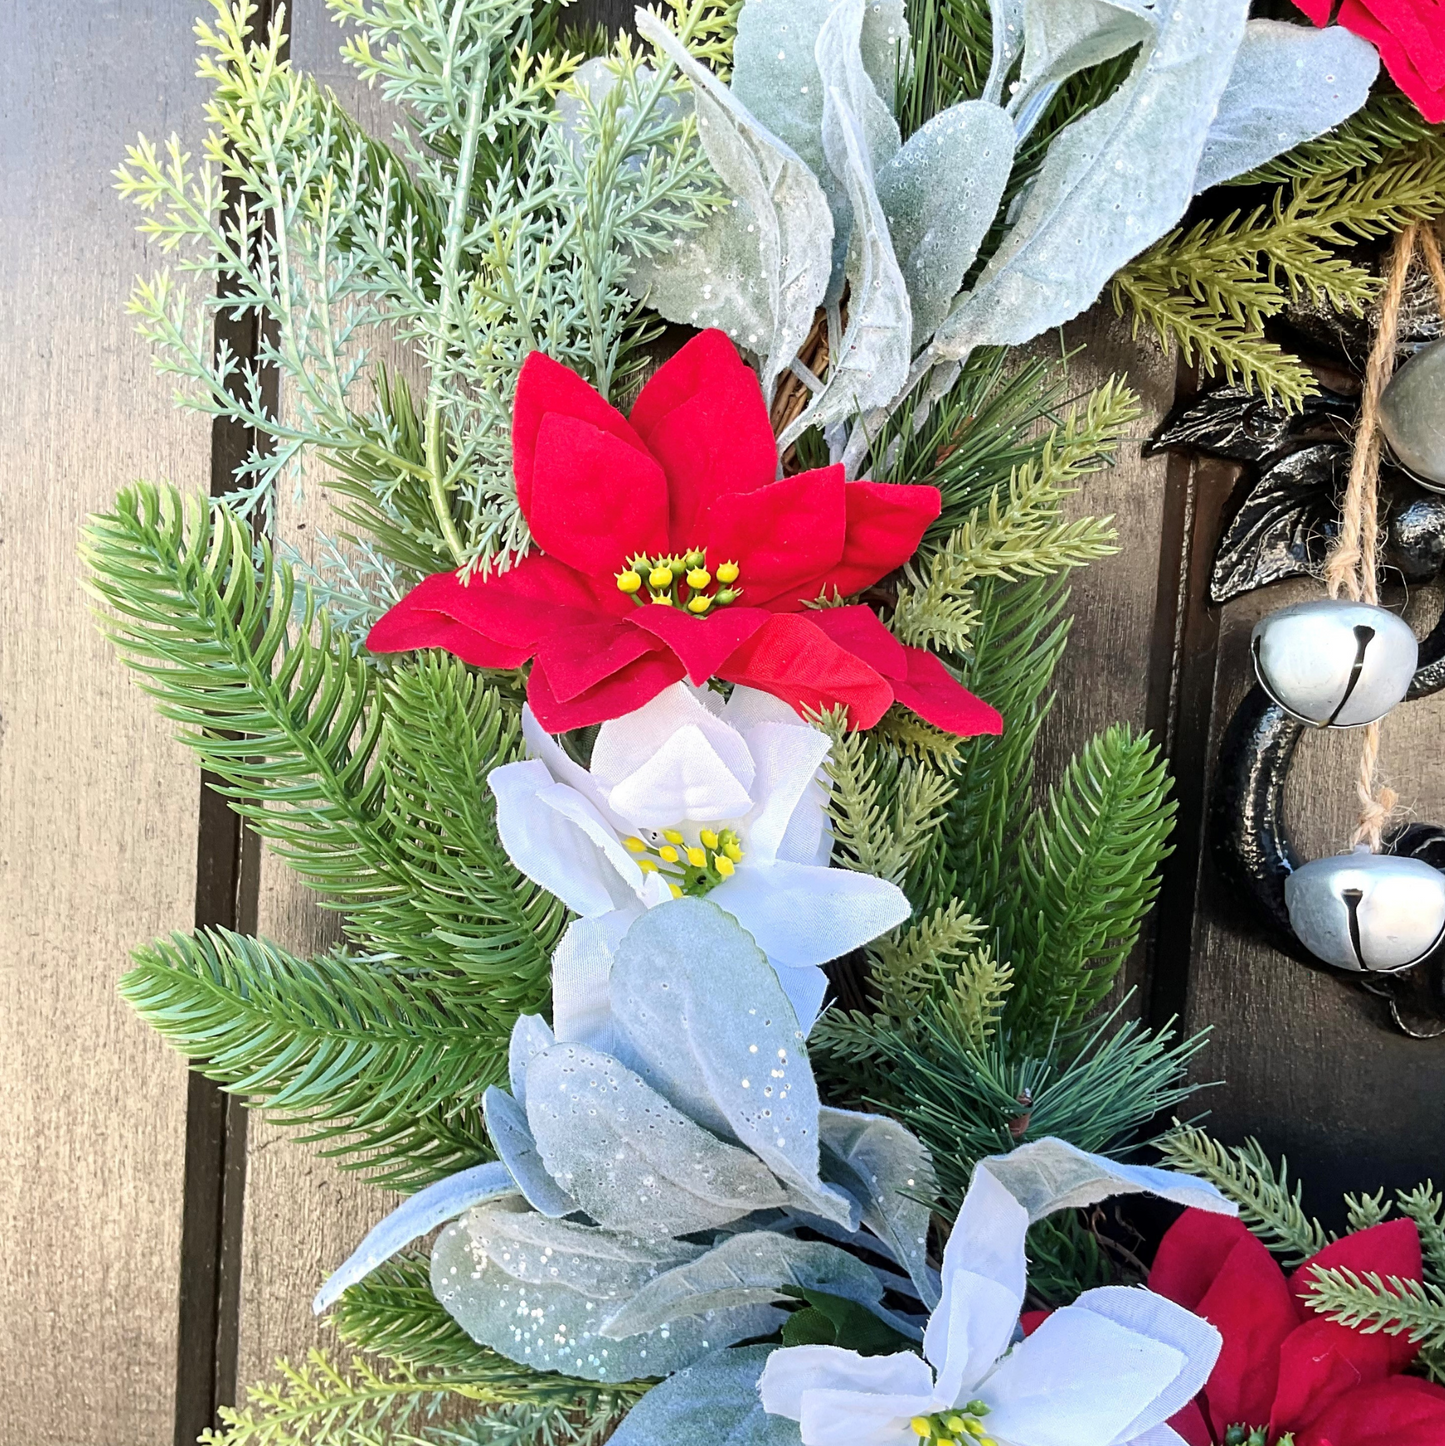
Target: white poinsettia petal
(625, 744)
(805, 985)
(565, 769)
(787, 759)
(802, 914)
(1079, 1380)
(983, 1280)
(1151, 1315)
(549, 845)
(684, 779)
(581, 978)
(795, 1369)
(748, 707)
(569, 804)
(850, 1418)
(1161, 1435)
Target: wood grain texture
(97, 825)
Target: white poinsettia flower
(688, 795)
(1107, 1370)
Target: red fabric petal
(703, 644)
(886, 522)
(1192, 1253)
(1317, 10)
(859, 629)
(793, 659)
(780, 535)
(1250, 1304)
(1402, 1411)
(1429, 99)
(579, 658)
(595, 500)
(1418, 26)
(702, 415)
(932, 692)
(420, 628)
(1189, 1423)
(545, 386)
(626, 690)
(1318, 1363)
(1031, 1320)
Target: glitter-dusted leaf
(633, 1162)
(715, 1401)
(512, 1139)
(940, 193)
(748, 1269)
(530, 1036)
(887, 1169)
(759, 269)
(1290, 83)
(720, 1040)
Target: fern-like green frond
(1426, 1207)
(1267, 1204)
(1370, 1304)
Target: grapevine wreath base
(714, 988)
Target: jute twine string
(1350, 568)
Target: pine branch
(1087, 873)
(1246, 1175)
(915, 739)
(1371, 1305)
(389, 1069)
(1426, 1207)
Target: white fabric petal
(685, 778)
(570, 804)
(550, 847)
(565, 769)
(581, 978)
(850, 1418)
(747, 707)
(1079, 1380)
(801, 914)
(805, 985)
(795, 1369)
(1159, 1436)
(1151, 1315)
(983, 1280)
(787, 759)
(625, 744)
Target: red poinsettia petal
(1031, 1320)
(859, 629)
(1191, 1254)
(1392, 1248)
(703, 644)
(545, 386)
(1398, 60)
(1250, 1305)
(1419, 27)
(1317, 10)
(1190, 1424)
(793, 659)
(702, 415)
(932, 692)
(577, 659)
(780, 535)
(1318, 1362)
(1402, 1411)
(626, 690)
(420, 628)
(595, 500)
(886, 522)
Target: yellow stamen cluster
(689, 868)
(962, 1427)
(680, 581)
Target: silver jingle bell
(1333, 663)
(1367, 911)
(1412, 416)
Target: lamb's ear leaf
(536, 1290)
(758, 1267)
(1007, 42)
(530, 1036)
(887, 1168)
(715, 1400)
(512, 1139)
(1290, 83)
(720, 1041)
(766, 258)
(939, 194)
(1112, 183)
(630, 1160)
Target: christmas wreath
(714, 987)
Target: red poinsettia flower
(1283, 1368)
(667, 548)
(1410, 36)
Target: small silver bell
(1412, 415)
(1333, 663)
(1367, 911)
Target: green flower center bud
(682, 582)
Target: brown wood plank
(98, 824)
